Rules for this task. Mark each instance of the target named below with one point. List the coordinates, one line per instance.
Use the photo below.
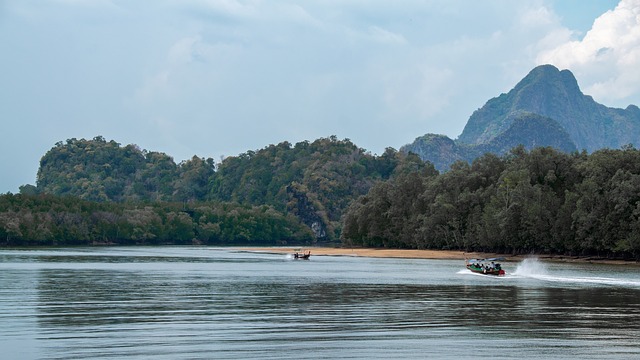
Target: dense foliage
(54, 220)
(313, 181)
(542, 201)
(98, 170)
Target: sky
(216, 78)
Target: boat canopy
(483, 260)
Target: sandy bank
(367, 252)
(424, 254)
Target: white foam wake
(535, 269)
(531, 267)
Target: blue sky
(216, 78)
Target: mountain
(531, 130)
(546, 108)
(528, 129)
(439, 149)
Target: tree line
(309, 182)
(542, 200)
(49, 220)
(538, 201)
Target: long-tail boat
(303, 256)
(485, 266)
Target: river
(216, 303)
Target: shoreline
(363, 252)
(427, 254)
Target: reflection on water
(190, 303)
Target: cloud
(184, 50)
(212, 77)
(607, 59)
(414, 91)
(86, 3)
(228, 8)
(537, 16)
(385, 36)
(189, 64)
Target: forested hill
(313, 181)
(542, 201)
(100, 170)
(538, 201)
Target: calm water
(208, 303)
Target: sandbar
(373, 252)
(427, 254)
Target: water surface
(209, 303)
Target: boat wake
(531, 267)
(534, 269)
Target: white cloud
(418, 91)
(152, 87)
(537, 16)
(385, 36)
(251, 12)
(191, 49)
(293, 13)
(225, 76)
(87, 3)
(231, 8)
(190, 63)
(607, 60)
(183, 50)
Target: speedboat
(485, 266)
(303, 256)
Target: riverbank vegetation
(332, 192)
(47, 220)
(313, 181)
(542, 201)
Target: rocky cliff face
(546, 108)
(531, 130)
(439, 149)
(552, 93)
(527, 129)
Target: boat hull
(485, 271)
